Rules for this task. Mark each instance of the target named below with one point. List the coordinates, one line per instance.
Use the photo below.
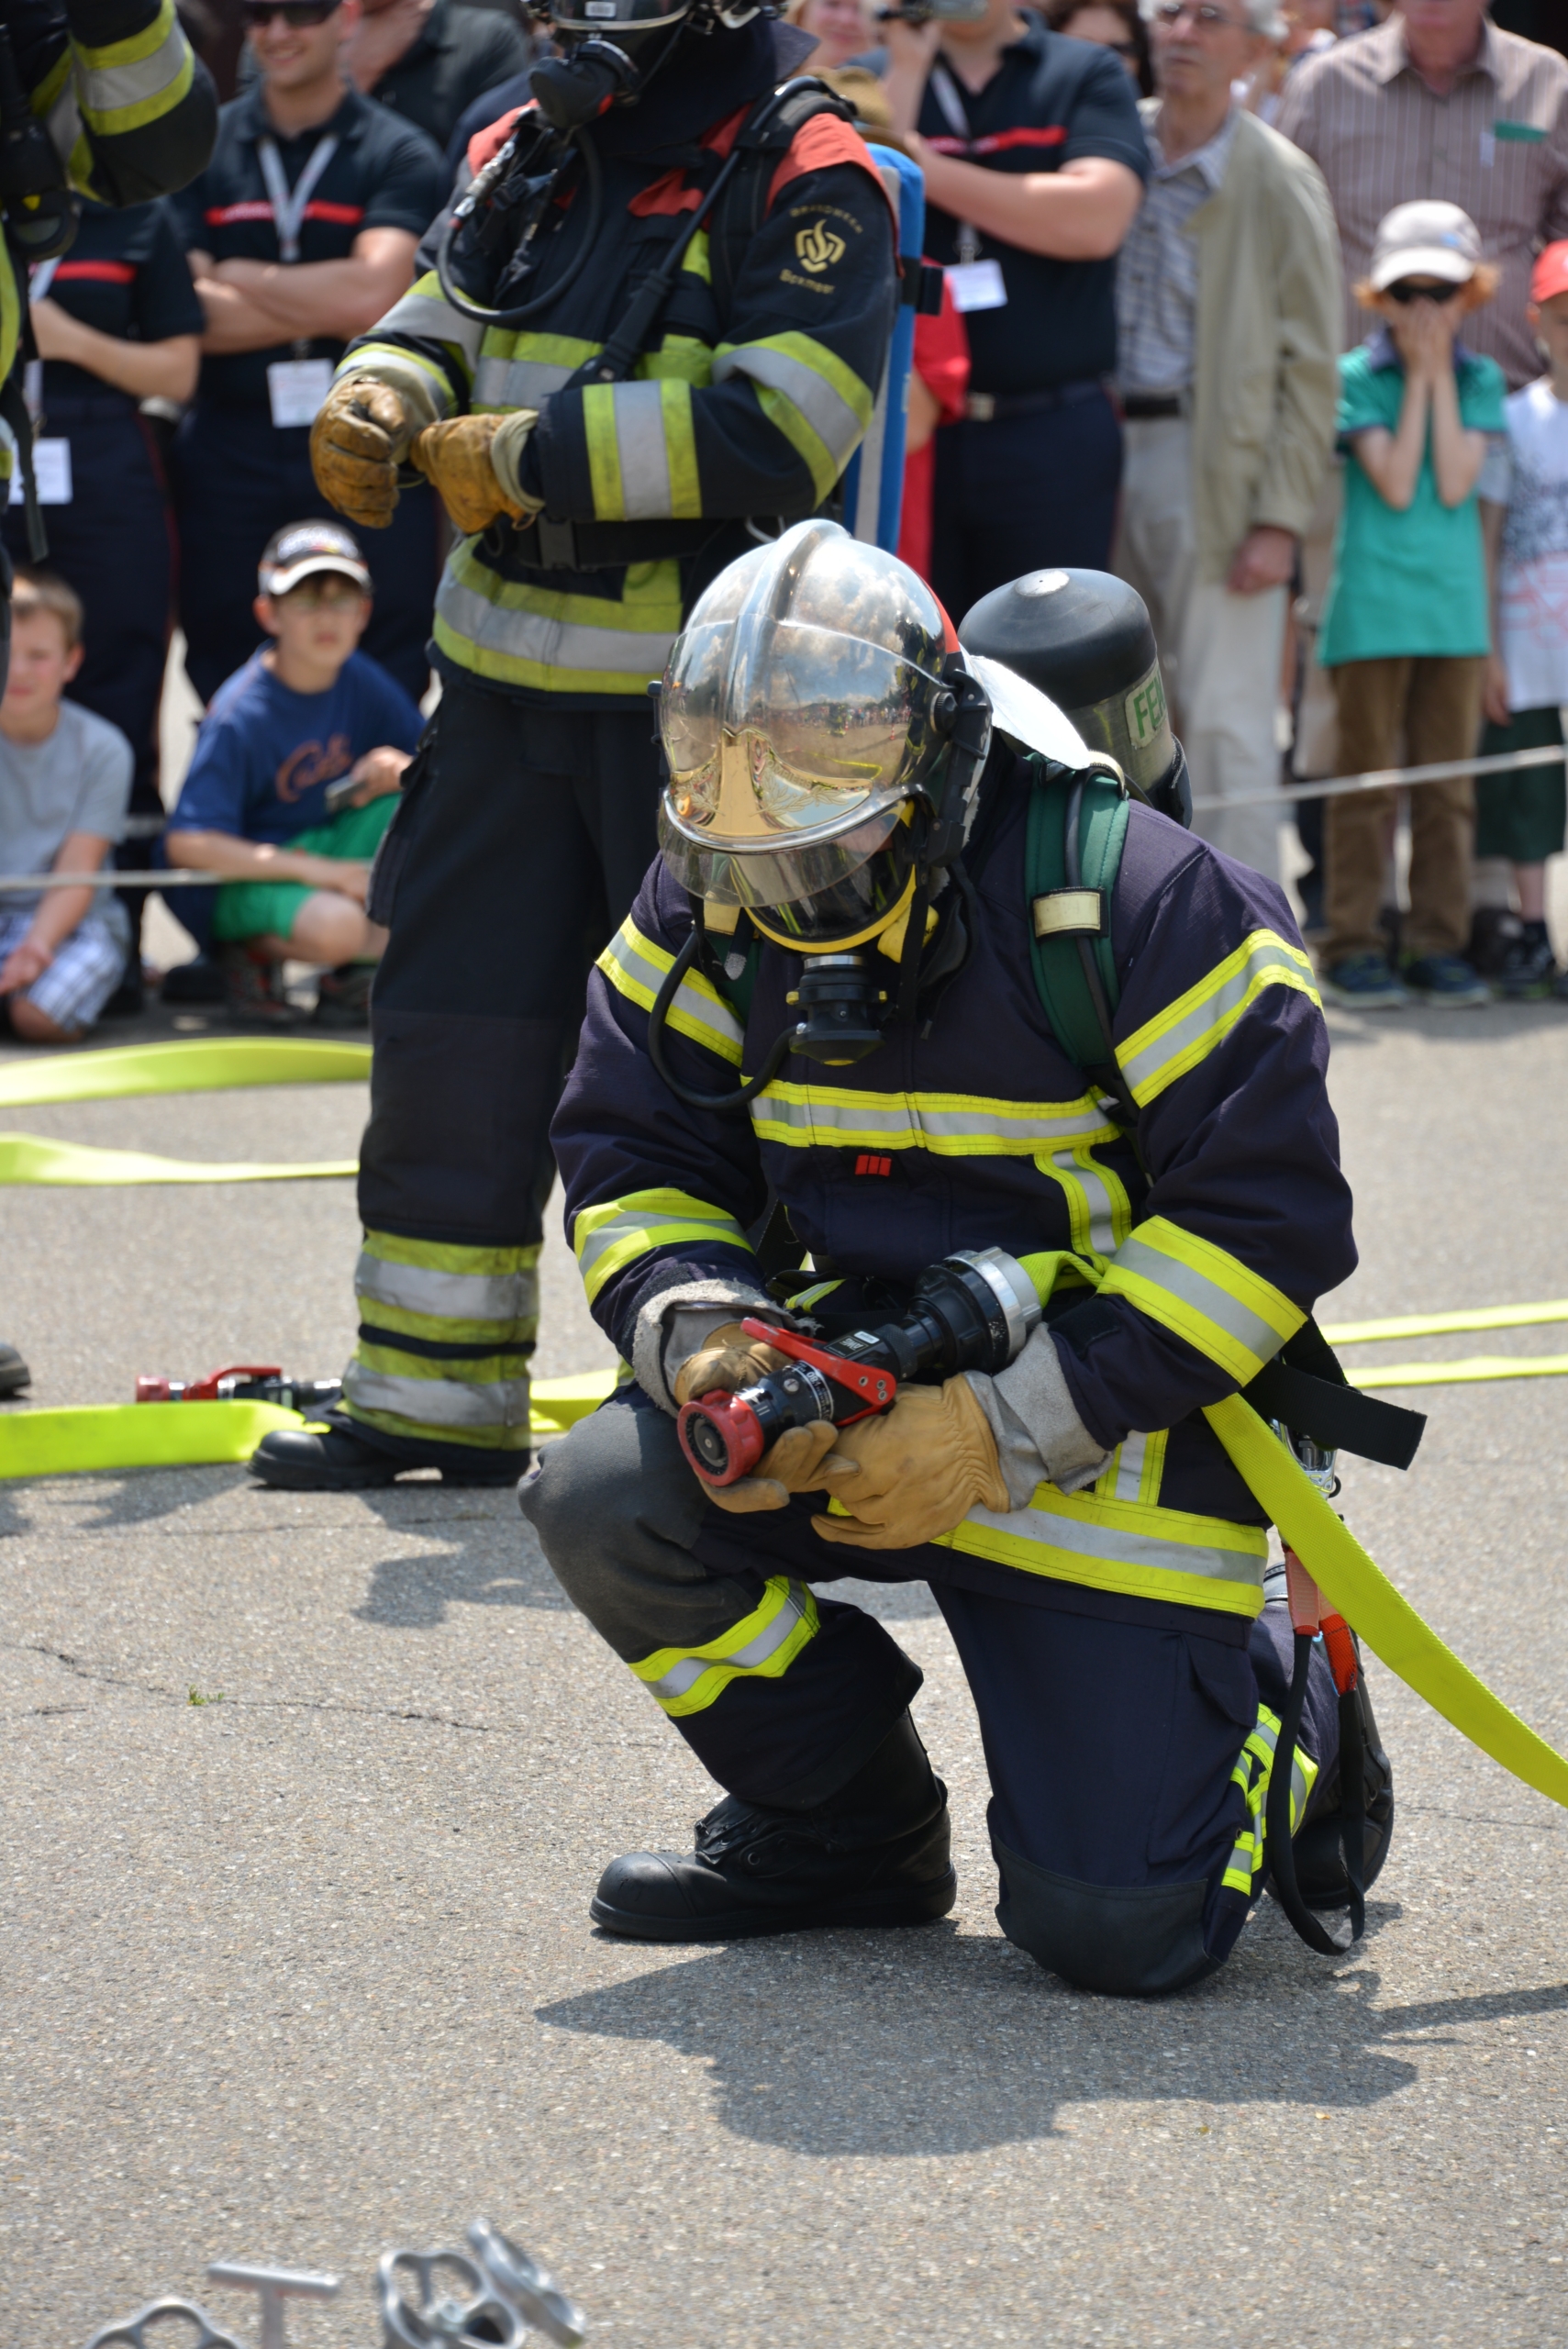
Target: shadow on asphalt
(932, 2043)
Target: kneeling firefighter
(1039, 1080)
(653, 328)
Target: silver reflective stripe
(628, 962)
(1089, 1541)
(646, 494)
(448, 1297)
(1129, 1463)
(516, 382)
(106, 89)
(439, 1402)
(64, 123)
(832, 420)
(768, 1641)
(1264, 960)
(1096, 1195)
(1195, 1289)
(908, 1122)
(516, 635)
(427, 319)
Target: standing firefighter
(873, 848)
(655, 334)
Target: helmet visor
(819, 893)
(799, 733)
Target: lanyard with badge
(52, 458)
(974, 284)
(295, 386)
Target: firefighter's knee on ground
(1140, 1941)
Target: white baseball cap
(1425, 239)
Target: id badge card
(52, 468)
(977, 286)
(296, 389)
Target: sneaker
(253, 988)
(1365, 983)
(344, 1000)
(1529, 968)
(198, 981)
(13, 1372)
(1447, 980)
(1495, 931)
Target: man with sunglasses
(1228, 297)
(301, 231)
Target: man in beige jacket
(1227, 326)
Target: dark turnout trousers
(1129, 1742)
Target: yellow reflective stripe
(1127, 1546)
(425, 313)
(813, 453)
(135, 80)
(1204, 1295)
(1253, 1770)
(447, 1256)
(604, 451)
(616, 1233)
(1177, 1038)
(435, 1301)
(636, 967)
(372, 358)
(682, 356)
(524, 634)
(1137, 1468)
(680, 449)
(1099, 1212)
(950, 1125)
(10, 327)
(695, 258)
(762, 1646)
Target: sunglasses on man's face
(1408, 291)
(258, 13)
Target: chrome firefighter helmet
(805, 714)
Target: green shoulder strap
(1069, 917)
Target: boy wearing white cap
(1406, 629)
(308, 711)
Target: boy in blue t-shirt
(304, 713)
(1407, 624)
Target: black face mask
(576, 89)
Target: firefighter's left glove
(919, 1470)
(360, 437)
(472, 460)
(732, 1360)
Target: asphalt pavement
(304, 1799)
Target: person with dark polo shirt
(429, 59)
(300, 233)
(1035, 164)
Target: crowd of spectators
(1246, 300)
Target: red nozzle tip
(721, 1437)
(152, 1390)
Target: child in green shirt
(1407, 624)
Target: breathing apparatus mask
(611, 51)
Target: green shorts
(1521, 815)
(271, 908)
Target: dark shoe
(197, 981)
(344, 1000)
(330, 1460)
(1529, 968)
(875, 1854)
(1447, 981)
(1364, 982)
(253, 988)
(1494, 932)
(13, 1372)
(1320, 1852)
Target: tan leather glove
(919, 1469)
(472, 461)
(358, 438)
(795, 1463)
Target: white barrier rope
(1340, 787)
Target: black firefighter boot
(874, 1853)
(1317, 1845)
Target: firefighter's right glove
(795, 1463)
(916, 1471)
(472, 461)
(360, 437)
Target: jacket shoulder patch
(822, 142)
